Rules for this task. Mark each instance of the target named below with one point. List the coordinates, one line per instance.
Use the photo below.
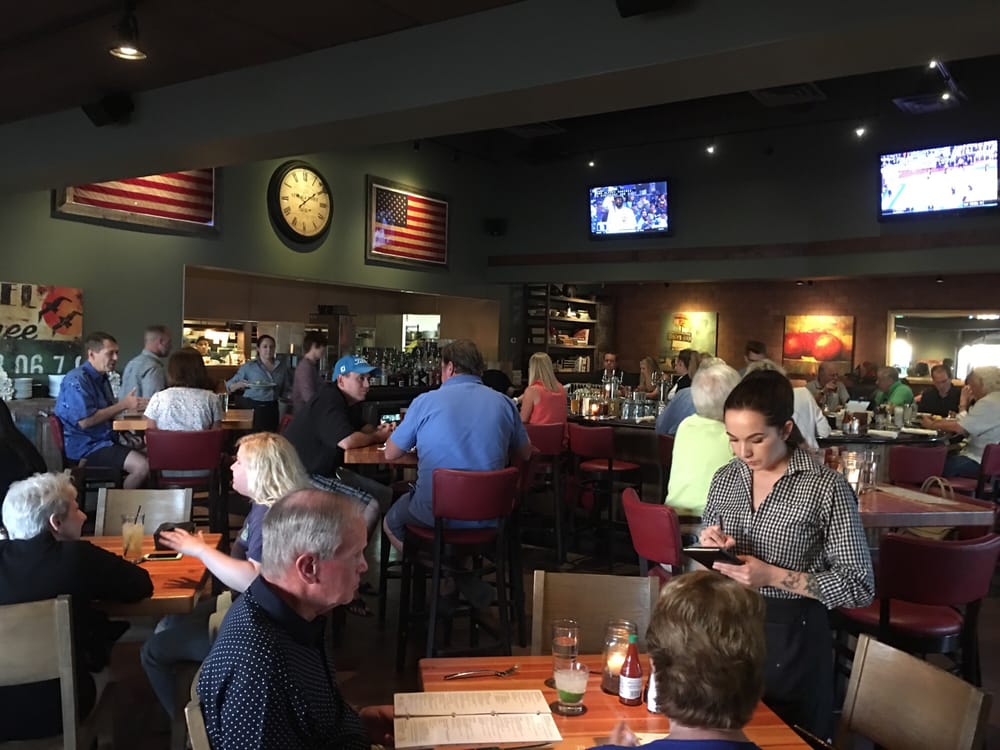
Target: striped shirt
(809, 523)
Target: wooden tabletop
(177, 584)
(375, 454)
(603, 710)
(897, 438)
(233, 419)
(890, 507)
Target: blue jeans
(961, 466)
(185, 638)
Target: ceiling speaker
(495, 227)
(628, 8)
(113, 109)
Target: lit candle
(615, 661)
(595, 408)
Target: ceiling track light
(710, 149)
(860, 131)
(127, 47)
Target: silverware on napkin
(482, 673)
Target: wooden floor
(364, 645)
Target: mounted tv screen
(930, 181)
(631, 209)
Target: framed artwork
(175, 202)
(40, 328)
(811, 339)
(687, 330)
(407, 226)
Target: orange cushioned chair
(460, 496)
(656, 535)
(929, 596)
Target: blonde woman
(649, 377)
(544, 400)
(266, 469)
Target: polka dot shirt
(269, 684)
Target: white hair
(305, 522)
(710, 388)
(31, 502)
(989, 376)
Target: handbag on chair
(945, 490)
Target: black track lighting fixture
(127, 47)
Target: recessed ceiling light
(591, 163)
(860, 131)
(710, 149)
(932, 64)
(946, 96)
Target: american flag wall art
(406, 226)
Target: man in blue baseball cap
(328, 424)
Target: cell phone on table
(153, 556)
(707, 556)
(388, 418)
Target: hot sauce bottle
(630, 678)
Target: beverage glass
(571, 685)
(565, 640)
(132, 533)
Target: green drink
(571, 685)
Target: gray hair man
(827, 389)
(269, 661)
(980, 423)
(45, 558)
(891, 390)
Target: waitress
(259, 383)
(795, 525)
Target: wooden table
(891, 507)
(603, 710)
(375, 454)
(177, 584)
(232, 419)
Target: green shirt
(701, 446)
(899, 393)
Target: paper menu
(472, 717)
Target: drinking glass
(565, 642)
(571, 685)
(132, 534)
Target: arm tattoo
(813, 587)
(791, 580)
(802, 583)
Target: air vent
(786, 96)
(535, 130)
(922, 104)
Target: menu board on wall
(40, 328)
(688, 330)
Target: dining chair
(597, 469)
(157, 506)
(550, 439)
(460, 496)
(198, 456)
(895, 700)
(656, 535)
(929, 597)
(196, 726)
(910, 465)
(591, 599)
(84, 477)
(983, 486)
(38, 645)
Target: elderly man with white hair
(981, 422)
(43, 558)
(701, 445)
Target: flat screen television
(630, 209)
(929, 181)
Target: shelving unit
(562, 326)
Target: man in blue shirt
(87, 407)
(462, 425)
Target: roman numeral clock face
(299, 202)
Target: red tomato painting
(826, 347)
(811, 339)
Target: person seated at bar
(268, 681)
(186, 404)
(707, 651)
(890, 389)
(795, 524)
(701, 446)
(610, 368)
(45, 558)
(980, 422)
(259, 384)
(330, 424)
(266, 469)
(752, 352)
(807, 415)
(943, 397)
(544, 400)
(649, 378)
(86, 407)
(827, 389)
(679, 408)
(306, 382)
(461, 425)
(685, 365)
(144, 374)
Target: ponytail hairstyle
(766, 390)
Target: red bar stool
(929, 596)
(549, 439)
(196, 450)
(460, 496)
(656, 535)
(910, 465)
(593, 449)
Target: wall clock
(298, 200)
